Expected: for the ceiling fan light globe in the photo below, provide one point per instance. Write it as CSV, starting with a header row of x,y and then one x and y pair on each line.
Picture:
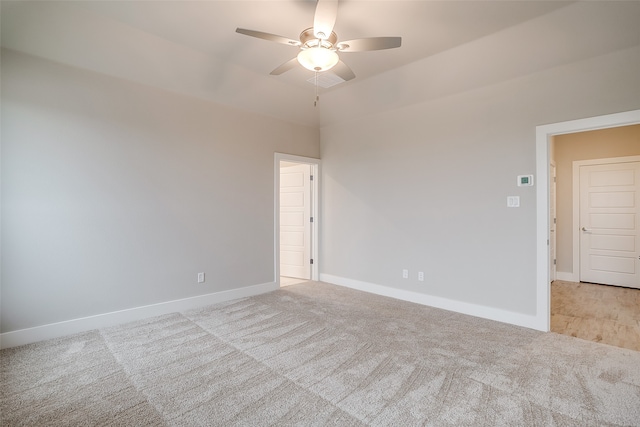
x,y
318,59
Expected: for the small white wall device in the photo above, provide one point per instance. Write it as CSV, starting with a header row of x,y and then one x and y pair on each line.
x,y
513,201
525,180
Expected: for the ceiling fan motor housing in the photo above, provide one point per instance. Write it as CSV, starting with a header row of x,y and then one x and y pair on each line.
x,y
309,39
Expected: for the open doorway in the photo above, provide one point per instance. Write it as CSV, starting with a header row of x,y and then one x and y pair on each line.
x,y
296,219
598,219
597,191
544,137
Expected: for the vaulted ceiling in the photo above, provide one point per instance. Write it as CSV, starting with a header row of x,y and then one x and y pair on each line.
x,y
191,47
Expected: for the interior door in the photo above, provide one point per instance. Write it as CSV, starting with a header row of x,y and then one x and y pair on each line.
x,y
609,223
295,216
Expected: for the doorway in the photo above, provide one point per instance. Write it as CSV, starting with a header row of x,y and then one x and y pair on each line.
x,y
296,219
597,218
544,134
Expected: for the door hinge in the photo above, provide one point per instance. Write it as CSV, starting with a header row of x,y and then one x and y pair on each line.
x,y
554,262
554,220
311,219
311,260
311,177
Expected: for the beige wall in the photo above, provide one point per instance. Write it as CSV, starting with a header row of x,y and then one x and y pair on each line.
x,y
598,144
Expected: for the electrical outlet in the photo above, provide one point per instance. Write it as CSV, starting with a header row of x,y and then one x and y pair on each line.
x,y
421,276
200,277
405,274
513,201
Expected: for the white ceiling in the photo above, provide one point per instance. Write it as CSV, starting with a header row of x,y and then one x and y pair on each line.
x,y
191,47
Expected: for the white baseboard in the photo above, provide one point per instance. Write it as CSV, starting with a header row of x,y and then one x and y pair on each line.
x,y
567,277
513,318
55,330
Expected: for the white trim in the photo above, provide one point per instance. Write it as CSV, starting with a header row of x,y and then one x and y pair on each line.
x,y
55,330
607,161
552,162
315,207
575,219
519,319
543,136
575,224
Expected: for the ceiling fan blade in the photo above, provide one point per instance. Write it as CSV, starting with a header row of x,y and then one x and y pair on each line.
x,y
325,18
285,67
343,71
373,43
268,36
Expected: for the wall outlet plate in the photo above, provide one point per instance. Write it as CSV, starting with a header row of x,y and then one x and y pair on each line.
x,y
513,201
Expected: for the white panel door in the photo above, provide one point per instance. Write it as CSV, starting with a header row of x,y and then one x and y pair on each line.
x,y
295,221
609,224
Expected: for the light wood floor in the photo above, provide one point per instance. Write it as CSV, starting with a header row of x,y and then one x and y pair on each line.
x,y
606,314
288,281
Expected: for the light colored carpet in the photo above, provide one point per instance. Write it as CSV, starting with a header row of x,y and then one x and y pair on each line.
x,y
317,354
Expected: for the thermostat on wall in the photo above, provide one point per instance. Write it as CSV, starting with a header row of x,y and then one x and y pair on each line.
x,y
525,180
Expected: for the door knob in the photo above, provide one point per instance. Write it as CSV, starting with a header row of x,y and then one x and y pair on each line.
x,y
585,229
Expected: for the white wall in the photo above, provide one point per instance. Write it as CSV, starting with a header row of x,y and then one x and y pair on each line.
x,y
424,187
115,195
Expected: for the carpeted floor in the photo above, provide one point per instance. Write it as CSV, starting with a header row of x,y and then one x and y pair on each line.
x,y
317,354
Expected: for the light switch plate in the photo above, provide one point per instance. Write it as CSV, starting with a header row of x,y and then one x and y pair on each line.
x,y
513,201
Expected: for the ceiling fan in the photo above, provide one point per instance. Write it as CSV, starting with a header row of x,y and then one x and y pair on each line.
x,y
319,45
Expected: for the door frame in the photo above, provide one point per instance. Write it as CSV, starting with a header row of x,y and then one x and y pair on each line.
x,y
544,133
575,220
315,211
553,272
